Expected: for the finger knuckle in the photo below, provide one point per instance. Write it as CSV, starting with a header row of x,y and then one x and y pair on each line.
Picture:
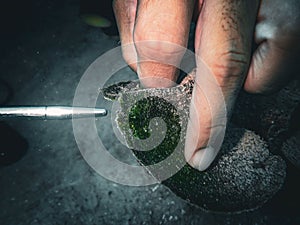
x,y
230,64
154,45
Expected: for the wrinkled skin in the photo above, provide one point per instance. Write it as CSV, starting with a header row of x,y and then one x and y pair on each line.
x,y
225,32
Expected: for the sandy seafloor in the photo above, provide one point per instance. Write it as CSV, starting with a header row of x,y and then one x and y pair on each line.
x,y
45,49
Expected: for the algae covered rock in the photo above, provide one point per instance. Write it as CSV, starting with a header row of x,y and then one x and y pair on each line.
x,y
244,176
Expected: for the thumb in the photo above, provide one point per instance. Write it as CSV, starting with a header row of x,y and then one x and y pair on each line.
x,y
223,41
207,119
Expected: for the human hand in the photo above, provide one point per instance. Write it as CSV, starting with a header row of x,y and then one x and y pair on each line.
x,y
150,25
223,42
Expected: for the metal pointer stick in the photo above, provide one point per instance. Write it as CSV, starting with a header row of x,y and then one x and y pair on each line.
x,y
50,112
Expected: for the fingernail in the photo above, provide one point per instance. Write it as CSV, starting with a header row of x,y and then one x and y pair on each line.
x,y
207,157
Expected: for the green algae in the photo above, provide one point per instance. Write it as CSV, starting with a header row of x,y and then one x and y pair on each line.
x,y
139,118
243,177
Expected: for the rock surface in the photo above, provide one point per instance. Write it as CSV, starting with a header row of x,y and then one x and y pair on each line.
x,y
276,116
291,149
244,176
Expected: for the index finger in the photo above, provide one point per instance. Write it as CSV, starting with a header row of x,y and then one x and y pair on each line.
x,y
161,30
